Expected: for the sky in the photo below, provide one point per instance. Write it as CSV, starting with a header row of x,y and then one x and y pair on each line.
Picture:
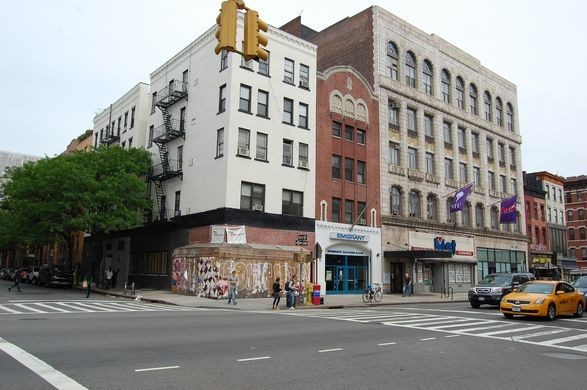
x,y
63,61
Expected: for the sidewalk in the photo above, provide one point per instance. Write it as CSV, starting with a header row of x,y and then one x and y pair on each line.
x,y
330,301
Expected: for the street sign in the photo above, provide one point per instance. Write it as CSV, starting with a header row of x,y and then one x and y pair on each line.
x,y
302,240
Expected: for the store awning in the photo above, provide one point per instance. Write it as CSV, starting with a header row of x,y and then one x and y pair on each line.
x,y
430,254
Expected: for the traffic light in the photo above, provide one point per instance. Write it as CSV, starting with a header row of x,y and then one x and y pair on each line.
x,y
226,20
253,37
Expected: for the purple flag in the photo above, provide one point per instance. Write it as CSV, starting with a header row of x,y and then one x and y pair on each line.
x,y
460,198
508,212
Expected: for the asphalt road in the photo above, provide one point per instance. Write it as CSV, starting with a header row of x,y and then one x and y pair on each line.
x,y
115,344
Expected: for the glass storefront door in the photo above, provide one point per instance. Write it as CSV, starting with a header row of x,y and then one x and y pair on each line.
x,y
346,274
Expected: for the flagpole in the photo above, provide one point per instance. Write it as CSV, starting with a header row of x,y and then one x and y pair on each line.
x,y
361,213
458,189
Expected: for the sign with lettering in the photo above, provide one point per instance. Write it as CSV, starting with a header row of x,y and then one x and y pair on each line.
x,y
349,237
458,246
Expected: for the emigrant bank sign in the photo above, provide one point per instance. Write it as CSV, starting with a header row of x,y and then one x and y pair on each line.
x,y
459,246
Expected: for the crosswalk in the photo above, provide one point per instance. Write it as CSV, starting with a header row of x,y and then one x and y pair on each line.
x,y
84,306
552,336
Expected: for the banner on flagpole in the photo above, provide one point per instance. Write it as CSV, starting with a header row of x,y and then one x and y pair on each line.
x,y
508,212
460,198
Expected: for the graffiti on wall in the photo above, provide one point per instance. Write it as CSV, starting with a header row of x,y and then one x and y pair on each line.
x,y
207,276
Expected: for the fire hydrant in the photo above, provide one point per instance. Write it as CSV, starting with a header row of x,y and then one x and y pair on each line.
x,y
308,289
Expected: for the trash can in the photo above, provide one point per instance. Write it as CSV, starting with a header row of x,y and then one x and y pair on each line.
x,y
316,295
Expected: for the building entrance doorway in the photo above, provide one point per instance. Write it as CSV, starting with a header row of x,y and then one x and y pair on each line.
x,y
346,274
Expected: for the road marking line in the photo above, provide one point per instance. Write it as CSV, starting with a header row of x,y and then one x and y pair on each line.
x,y
76,307
452,335
429,338
538,334
330,350
39,367
384,344
10,310
255,358
564,339
155,368
498,325
23,306
512,330
52,307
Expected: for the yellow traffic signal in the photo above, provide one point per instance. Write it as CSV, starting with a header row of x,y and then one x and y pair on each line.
x,y
226,20
253,37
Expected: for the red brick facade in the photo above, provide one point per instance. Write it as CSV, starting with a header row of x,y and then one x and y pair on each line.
x,y
576,211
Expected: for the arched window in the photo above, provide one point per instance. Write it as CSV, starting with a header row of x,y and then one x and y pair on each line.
x,y
427,77
460,93
393,114
410,69
473,99
479,215
510,117
392,61
487,105
498,111
414,204
466,214
396,201
432,207
445,79
494,213
450,217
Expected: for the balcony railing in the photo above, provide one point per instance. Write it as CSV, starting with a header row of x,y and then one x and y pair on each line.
x,y
168,132
174,92
110,139
166,170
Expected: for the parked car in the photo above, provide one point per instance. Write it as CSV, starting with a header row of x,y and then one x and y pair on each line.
x,y
543,298
55,275
33,275
4,274
494,286
24,274
581,285
11,273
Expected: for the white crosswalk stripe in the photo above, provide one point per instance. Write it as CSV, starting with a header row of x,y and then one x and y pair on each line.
x,y
86,306
551,336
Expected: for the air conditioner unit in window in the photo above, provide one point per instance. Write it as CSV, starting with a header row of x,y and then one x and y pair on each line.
x,y
304,83
243,152
303,164
258,207
362,221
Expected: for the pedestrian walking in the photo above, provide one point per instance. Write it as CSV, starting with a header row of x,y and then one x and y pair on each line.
x,y
115,272
291,293
16,281
87,284
407,286
276,294
109,275
232,282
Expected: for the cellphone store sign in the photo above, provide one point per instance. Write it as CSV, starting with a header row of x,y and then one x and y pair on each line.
x,y
458,246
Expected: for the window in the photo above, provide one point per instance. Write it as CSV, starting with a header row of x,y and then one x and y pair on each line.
x,y
510,117
303,116
288,71
129,142
252,195
287,152
393,114
410,70
396,201
513,186
361,137
222,99
263,104
450,217
491,180
119,124
244,138
560,195
583,253
571,234
182,119
475,143
411,116
304,76
132,117
349,164
501,153
477,176
336,129
361,213
288,111
348,211
512,158
494,214
248,64
336,209
550,214
463,177
414,204
502,183
581,233
176,209
432,207
303,154
428,119
498,111
448,169
572,252
361,172
479,215
184,76
473,99
223,59
392,58
427,77
219,143
489,149
461,139
153,102
487,106
292,203
151,133
445,80
180,157
261,152
460,93
412,158
430,163
336,160
125,120
466,214
349,133
244,104
394,153
447,130
580,214
263,66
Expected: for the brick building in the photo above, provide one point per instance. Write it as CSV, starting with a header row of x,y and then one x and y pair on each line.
x,y
539,253
576,207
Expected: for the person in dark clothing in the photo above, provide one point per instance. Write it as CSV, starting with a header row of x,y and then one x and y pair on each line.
x,y
115,277
16,281
276,294
88,284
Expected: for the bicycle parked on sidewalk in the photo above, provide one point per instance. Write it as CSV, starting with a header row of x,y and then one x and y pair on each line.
x,y
373,294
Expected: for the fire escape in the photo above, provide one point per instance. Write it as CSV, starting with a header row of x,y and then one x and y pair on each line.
x,y
168,131
110,137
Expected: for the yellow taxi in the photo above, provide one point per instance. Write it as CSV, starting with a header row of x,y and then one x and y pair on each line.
x,y
543,298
